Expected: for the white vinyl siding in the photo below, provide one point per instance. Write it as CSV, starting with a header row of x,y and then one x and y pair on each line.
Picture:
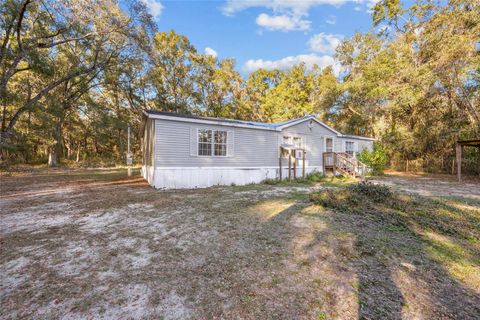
x,y
176,146
358,144
312,140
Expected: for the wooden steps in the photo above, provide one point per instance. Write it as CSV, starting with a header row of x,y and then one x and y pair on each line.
x,y
344,164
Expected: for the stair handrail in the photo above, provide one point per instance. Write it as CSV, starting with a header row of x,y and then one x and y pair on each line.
x,y
354,162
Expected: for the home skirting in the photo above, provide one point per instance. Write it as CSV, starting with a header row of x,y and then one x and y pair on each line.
x,y
202,177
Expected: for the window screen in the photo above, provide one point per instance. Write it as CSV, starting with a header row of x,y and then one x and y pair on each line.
x,y
204,142
349,147
212,143
220,143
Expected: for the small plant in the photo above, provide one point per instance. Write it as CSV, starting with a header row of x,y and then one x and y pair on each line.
x,y
271,181
376,159
315,176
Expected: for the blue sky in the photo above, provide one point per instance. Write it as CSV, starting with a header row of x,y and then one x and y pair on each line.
x,y
265,33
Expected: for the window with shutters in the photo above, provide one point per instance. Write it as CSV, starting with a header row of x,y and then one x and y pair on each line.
x,y
212,143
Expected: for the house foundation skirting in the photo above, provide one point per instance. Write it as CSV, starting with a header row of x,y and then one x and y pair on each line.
x,y
202,177
148,174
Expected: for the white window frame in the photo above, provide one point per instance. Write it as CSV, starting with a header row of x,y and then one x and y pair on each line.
x,y
301,141
325,143
353,144
224,144
292,137
212,153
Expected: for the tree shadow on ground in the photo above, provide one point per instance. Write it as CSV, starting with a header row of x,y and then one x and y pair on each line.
x,y
394,259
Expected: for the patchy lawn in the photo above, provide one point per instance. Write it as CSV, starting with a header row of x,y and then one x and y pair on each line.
x,y
96,244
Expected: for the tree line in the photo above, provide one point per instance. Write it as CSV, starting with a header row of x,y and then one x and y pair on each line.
x,y
75,73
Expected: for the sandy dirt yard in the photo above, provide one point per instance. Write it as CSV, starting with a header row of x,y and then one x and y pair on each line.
x,y
432,185
95,244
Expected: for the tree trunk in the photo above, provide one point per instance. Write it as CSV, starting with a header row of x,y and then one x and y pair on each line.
x,y
55,147
78,154
53,156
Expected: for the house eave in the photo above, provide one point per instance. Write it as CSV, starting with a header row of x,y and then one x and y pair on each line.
x,y
308,119
346,136
204,121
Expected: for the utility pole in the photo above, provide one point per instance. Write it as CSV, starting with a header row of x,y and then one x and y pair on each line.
x,y
128,141
129,153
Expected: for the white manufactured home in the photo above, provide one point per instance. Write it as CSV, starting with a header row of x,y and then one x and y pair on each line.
x,y
183,151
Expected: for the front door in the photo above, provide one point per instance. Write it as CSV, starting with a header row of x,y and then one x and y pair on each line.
x,y
329,145
329,150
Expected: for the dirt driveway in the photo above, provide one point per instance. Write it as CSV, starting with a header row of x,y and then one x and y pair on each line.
x,y
431,185
98,245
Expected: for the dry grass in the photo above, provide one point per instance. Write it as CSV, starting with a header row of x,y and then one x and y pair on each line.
x,y
95,244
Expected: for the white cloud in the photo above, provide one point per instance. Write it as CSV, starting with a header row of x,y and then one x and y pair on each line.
x,y
282,22
210,52
324,43
154,7
295,6
331,19
288,62
369,3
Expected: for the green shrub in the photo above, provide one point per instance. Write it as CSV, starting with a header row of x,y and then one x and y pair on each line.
x,y
376,159
375,192
271,181
315,176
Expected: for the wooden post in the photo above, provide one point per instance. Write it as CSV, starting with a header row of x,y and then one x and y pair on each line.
x,y
334,158
280,164
295,164
303,164
459,151
324,169
289,165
